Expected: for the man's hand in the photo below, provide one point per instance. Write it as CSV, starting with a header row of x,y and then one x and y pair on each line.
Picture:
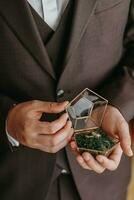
x,y
24,125
115,125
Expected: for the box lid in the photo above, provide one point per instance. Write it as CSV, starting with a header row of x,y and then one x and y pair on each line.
x,y
86,110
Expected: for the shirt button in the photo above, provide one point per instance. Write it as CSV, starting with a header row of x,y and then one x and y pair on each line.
x,y
60,93
63,171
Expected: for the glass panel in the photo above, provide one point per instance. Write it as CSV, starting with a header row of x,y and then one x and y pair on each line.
x,y
87,110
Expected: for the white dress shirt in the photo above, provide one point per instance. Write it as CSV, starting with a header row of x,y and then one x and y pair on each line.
x,y
51,11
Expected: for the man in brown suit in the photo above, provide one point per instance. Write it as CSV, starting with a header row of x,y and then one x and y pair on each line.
x,y
93,47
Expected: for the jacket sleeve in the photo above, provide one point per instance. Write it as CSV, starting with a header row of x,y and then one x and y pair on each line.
x,y
119,87
6,103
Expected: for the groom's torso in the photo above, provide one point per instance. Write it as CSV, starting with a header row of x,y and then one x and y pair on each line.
x,y
36,63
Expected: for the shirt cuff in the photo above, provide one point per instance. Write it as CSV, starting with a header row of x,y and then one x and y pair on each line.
x,y
13,141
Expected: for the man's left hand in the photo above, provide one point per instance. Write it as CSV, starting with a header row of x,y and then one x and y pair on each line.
x,y
116,126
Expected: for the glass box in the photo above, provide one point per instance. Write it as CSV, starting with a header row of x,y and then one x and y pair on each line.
x,y
86,112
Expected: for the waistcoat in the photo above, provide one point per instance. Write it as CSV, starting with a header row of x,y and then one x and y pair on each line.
x,y
56,43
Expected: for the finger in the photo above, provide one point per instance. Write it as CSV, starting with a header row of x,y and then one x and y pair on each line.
x,y
55,140
56,148
125,139
74,148
113,161
49,107
52,127
92,163
82,162
63,134
62,144
73,145
52,149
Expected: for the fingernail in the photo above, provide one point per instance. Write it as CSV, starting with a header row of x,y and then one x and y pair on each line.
x,y
72,145
86,157
80,159
66,102
130,152
100,159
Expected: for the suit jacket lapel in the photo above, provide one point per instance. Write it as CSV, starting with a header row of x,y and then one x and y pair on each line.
x,y
83,10
18,16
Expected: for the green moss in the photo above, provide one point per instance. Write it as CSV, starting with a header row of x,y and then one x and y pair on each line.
x,y
96,140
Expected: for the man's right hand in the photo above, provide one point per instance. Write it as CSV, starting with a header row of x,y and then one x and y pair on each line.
x,y
24,125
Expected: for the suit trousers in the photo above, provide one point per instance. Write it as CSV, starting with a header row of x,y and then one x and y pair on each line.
x,y
63,188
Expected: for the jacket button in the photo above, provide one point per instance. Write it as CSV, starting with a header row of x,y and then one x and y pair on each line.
x,y
60,93
63,171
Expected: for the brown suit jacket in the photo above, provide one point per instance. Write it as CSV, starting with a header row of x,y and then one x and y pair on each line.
x,y
95,59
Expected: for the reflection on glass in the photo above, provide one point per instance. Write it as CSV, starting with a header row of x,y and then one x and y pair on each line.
x,y
87,110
